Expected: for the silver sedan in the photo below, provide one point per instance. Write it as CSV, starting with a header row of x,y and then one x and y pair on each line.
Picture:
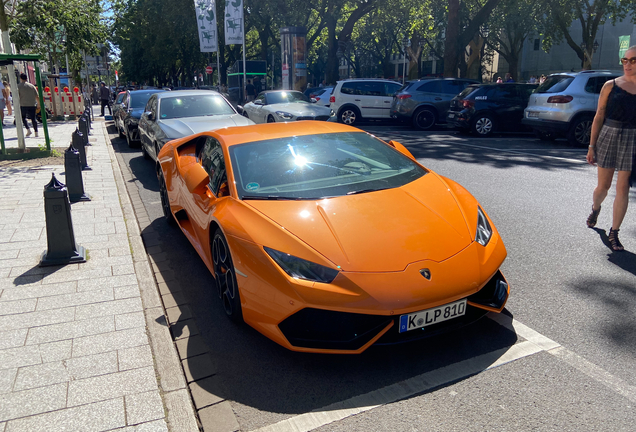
x,y
175,114
285,105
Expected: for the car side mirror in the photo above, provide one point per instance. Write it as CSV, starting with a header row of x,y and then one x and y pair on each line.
x,y
149,116
196,179
399,147
240,109
224,190
258,102
313,100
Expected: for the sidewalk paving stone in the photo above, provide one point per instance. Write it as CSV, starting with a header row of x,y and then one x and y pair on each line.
x,y
75,352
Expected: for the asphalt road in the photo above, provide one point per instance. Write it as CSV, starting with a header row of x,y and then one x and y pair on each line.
x,y
562,358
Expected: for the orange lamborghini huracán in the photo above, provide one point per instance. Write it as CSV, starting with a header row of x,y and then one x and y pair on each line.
x,y
327,239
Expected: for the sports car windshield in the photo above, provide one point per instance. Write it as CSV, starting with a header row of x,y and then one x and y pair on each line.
x,y
193,106
286,97
319,166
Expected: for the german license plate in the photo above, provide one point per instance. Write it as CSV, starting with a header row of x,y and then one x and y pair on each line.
x,y
451,115
533,114
432,316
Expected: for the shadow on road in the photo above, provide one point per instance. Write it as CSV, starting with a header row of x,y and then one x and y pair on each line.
x,y
138,165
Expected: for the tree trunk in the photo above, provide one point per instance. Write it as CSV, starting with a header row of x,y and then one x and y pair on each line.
x,y
452,35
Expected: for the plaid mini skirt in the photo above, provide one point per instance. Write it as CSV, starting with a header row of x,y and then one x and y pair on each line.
x,y
616,146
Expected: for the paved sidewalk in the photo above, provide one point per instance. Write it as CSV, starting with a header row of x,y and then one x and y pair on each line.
x,y
82,346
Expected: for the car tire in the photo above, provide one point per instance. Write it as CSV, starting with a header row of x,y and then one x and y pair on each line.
x,y
483,125
271,119
144,152
424,119
579,133
545,136
349,115
131,143
225,278
165,200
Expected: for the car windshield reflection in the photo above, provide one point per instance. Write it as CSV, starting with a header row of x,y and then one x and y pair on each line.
x,y
319,166
193,106
286,97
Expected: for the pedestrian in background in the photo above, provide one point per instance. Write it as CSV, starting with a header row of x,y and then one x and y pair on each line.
x,y
499,80
249,91
6,89
104,98
509,78
28,101
613,144
542,79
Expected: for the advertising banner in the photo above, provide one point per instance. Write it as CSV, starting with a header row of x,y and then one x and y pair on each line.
x,y
233,22
623,44
206,23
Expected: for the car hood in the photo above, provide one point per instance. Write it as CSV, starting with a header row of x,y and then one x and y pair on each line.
x,y
180,127
380,231
301,109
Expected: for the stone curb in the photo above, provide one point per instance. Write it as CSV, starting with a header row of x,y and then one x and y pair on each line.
x,y
180,412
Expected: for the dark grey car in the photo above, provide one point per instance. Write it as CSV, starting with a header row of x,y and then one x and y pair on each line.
x,y
175,114
127,117
425,102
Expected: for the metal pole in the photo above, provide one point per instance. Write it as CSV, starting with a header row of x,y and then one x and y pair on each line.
x,y
244,65
6,43
218,67
42,106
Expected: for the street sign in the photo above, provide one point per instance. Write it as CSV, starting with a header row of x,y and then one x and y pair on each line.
x,y
209,70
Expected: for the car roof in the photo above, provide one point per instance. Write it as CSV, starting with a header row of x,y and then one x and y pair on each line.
x,y
176,93
279,91
136,92
265,131
586,72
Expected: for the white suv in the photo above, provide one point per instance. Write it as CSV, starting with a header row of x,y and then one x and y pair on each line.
x,y
355,99
565,105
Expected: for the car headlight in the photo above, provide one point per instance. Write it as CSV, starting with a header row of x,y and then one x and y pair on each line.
x,y
284,115
484,231
301,269
331,113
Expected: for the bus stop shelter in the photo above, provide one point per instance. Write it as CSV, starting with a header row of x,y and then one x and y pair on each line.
x,y
8,59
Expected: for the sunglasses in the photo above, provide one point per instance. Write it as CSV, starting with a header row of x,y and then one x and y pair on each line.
x,y
631,60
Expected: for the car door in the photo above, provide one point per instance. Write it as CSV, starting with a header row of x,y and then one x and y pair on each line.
x,y
119,115
368,96
506,105
430,93
389,90
117,104
146,133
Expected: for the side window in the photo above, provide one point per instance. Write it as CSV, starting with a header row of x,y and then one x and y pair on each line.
x,y
505,93
214,163
390,89
149,104
370,88
431,87
349,88
525,91
452,87
595,84
120,98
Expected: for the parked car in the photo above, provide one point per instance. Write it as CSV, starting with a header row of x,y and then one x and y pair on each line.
x,y
127,118
175,114
284,105
486,108
356,99
425,102
286,217
117,104
322,96
565,105
309,90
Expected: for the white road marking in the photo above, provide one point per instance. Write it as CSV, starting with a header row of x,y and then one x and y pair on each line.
x,y
534,343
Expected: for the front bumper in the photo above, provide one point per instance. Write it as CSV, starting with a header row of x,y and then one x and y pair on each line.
x,y
318,329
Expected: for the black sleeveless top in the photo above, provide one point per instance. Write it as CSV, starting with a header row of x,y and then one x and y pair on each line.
x,y
621,106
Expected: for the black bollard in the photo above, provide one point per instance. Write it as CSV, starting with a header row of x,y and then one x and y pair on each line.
x,y
88,116
60,239
73,173
78,143
83,128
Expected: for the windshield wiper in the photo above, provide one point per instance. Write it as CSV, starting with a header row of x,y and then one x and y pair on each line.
x,y
281,198
365,191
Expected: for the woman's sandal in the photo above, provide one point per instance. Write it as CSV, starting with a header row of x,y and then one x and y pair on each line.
x,y
591,219
615,243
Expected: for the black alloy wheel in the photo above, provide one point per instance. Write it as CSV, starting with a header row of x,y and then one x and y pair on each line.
x,y
165,201
225,277
349,116
424,119
579,133
271,119
483,125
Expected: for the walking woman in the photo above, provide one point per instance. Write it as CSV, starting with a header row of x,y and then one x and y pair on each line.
x,y
613,144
